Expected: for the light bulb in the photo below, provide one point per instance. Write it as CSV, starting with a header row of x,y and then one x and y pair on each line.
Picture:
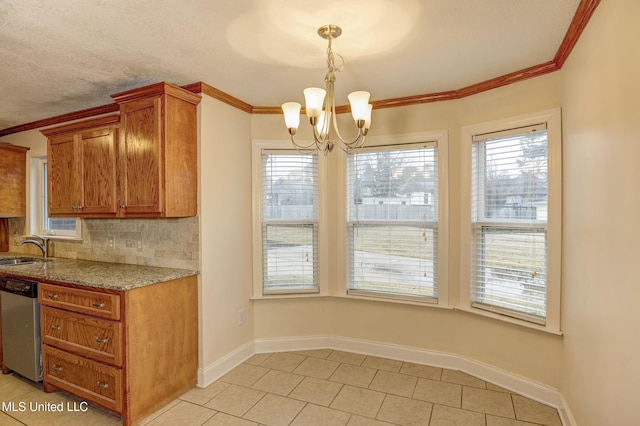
x,y
359,104
314,98
291,114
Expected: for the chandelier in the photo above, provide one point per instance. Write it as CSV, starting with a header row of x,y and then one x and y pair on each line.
x,y
320,107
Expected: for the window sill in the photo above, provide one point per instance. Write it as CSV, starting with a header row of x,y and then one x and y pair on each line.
x,y
352,297
290,296
508,319
402,301
55,237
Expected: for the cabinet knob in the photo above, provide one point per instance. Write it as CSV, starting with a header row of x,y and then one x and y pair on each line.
x,y
52,296
98,305
102,385
56,327
122,206
56,368
99,340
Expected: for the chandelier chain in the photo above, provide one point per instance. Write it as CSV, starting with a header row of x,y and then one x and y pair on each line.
x,y
330,62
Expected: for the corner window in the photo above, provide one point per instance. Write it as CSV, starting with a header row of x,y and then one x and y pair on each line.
x,y
289,221
393,222
513,251
40,222
509,226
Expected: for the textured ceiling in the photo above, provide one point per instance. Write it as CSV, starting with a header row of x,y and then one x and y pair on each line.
x,y
60,56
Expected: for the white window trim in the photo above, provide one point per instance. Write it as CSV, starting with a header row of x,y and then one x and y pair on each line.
x,y
323,251
441,138
554,237
34,217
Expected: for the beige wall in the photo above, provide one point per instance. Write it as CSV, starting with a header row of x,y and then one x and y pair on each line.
x,y
225,226
528,353
601,98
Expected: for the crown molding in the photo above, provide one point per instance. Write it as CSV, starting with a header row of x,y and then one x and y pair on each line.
x,y
583,14
59,119
211,91
578,23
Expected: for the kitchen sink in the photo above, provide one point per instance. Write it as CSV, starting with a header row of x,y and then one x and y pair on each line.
x,y
13,261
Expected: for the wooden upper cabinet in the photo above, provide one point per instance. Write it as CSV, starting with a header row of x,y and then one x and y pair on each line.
x,y
13,169
62,175
140,155
81,168
98,160
158,163
140,163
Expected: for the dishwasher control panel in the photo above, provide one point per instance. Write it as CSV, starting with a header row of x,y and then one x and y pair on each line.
x,y
21,287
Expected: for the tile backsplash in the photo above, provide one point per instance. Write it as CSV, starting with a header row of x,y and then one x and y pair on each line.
x,y
172,243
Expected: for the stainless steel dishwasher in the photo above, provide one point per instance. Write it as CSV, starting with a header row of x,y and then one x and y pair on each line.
x,y
21,344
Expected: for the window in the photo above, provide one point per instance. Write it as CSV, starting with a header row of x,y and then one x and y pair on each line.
x,y
40,222
393,221
289,219
513,202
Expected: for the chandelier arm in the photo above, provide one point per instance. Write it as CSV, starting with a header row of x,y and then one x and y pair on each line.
x,y
319,136
300,146
331,104
356,142
322,141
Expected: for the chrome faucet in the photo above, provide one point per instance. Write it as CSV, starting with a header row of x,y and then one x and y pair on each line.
x,y
41,245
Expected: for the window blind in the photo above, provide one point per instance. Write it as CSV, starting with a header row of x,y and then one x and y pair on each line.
x,y
509,222
392,221
289,208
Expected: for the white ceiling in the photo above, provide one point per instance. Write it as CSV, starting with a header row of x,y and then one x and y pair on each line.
x,y
60,56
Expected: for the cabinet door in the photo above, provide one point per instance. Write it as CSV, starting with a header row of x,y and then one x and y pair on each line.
x,y
140,155
62,175
90,380
12,175
95,338
98,155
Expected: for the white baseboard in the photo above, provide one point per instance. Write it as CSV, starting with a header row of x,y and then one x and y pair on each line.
x,y
510,381
565,413
284,344
219,368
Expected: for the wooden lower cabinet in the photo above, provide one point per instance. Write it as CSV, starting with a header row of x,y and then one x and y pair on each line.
x,y
90,380
137,353
91,337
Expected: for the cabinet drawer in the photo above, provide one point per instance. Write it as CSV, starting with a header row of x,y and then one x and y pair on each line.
x,y
95,338
104,305
87,379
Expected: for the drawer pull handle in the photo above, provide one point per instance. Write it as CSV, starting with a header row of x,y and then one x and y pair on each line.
x,y
99,340
102,385
56,327
57,368
98,305
52,296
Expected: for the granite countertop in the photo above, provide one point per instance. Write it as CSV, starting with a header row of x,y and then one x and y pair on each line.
x,y
115,276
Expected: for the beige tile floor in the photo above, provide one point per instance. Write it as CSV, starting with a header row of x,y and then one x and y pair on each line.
x,y
308,388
